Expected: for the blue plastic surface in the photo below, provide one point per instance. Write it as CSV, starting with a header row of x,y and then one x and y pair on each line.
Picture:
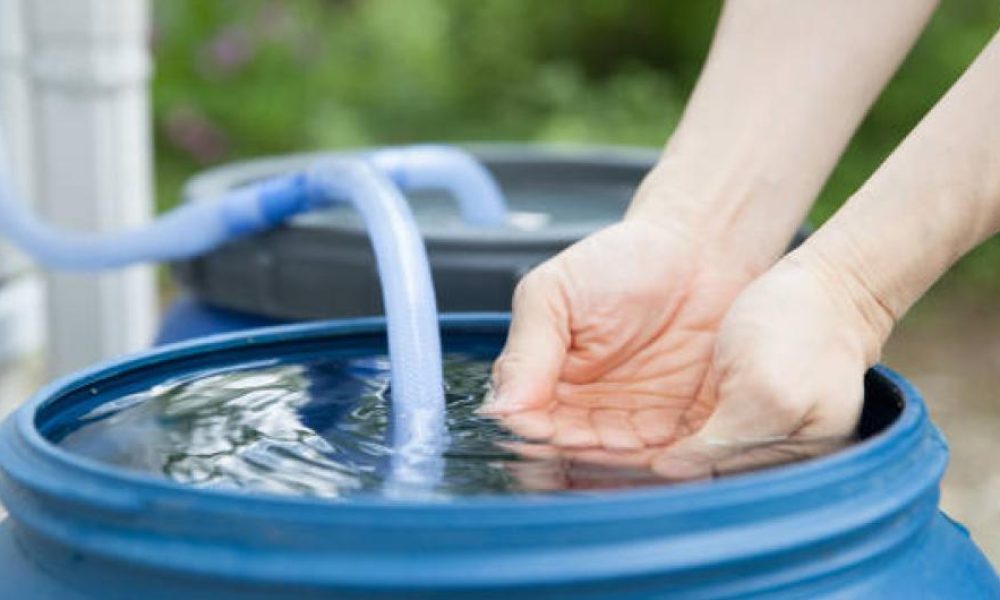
x,y
863,523
187,318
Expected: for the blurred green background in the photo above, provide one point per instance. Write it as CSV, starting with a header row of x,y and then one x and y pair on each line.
x,y
242,78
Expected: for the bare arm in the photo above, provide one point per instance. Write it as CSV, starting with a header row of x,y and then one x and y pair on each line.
x,y
933,200
612,341
785,85
794,346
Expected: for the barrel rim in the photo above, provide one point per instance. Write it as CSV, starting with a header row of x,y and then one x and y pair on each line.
x,y
910,420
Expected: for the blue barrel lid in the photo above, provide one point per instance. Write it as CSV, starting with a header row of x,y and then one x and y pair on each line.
x,y
785,526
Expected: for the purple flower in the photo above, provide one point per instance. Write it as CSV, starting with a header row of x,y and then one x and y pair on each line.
x,y
226,53
190,130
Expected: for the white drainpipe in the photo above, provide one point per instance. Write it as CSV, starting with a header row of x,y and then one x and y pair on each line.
x,y
89,68
21,322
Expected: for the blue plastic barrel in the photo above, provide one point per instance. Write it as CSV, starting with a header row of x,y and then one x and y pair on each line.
x,y
187,318
863,523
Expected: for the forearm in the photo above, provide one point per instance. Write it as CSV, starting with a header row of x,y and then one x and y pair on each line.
x,y
785,85
935,198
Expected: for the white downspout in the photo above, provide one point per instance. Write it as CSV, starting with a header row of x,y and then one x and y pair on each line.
x,y
21,322
90,66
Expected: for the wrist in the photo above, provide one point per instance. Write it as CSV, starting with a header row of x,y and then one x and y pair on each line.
x,y
740,216
866,313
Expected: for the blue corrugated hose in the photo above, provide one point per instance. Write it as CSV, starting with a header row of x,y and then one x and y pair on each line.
x,y
370,182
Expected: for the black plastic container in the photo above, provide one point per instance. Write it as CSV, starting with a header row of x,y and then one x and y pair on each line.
x,y
321,266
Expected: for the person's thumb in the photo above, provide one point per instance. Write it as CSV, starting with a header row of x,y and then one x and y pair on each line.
x,y
526,373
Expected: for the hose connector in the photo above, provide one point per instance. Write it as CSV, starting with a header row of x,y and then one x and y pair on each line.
x,y
265,205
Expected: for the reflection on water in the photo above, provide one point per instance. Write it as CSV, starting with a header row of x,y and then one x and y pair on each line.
x,y
315,428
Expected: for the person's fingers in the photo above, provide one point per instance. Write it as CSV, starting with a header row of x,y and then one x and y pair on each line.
x,y
756,411
597,394
584,475
548,468
701,458
615,430
780,452
538,476
655,426
574,428
637,459
613,459
689,458
525,374
752,431
774,406
532,425
532,450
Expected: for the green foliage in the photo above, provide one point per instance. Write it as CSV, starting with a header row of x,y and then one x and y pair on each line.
x,y
239,78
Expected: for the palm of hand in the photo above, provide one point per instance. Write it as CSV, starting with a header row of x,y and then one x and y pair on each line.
x,y
642,308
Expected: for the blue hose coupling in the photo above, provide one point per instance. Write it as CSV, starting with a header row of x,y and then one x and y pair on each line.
x,y
266,204
263,205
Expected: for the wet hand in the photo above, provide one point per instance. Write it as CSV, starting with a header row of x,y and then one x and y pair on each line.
x,y
665,382
787,375
611,341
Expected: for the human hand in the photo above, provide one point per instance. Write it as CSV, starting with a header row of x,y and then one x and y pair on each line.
x,y
611,340
793,349
781,380
787,377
